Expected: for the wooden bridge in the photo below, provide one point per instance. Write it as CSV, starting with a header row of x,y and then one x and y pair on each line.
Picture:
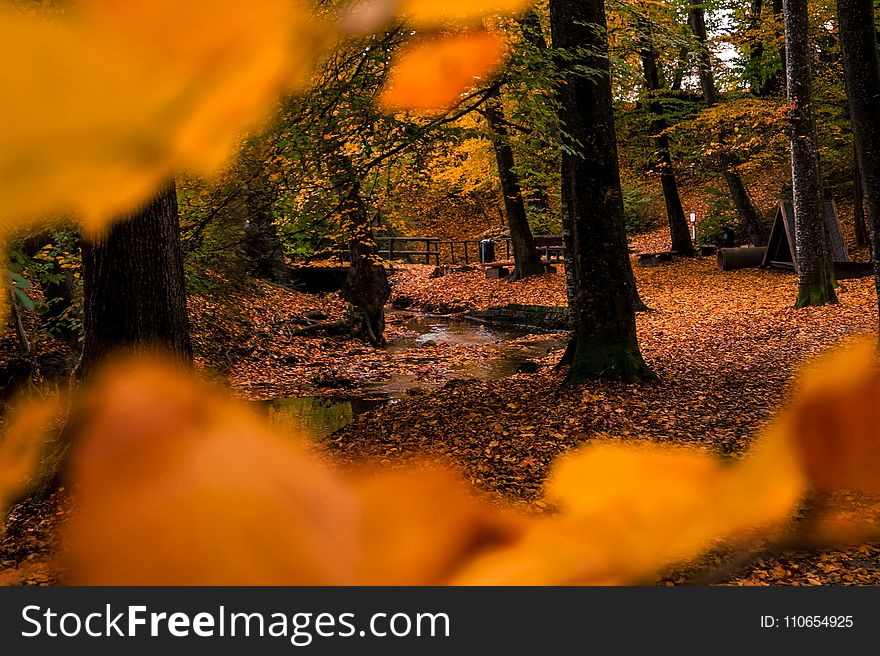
x,y
433,250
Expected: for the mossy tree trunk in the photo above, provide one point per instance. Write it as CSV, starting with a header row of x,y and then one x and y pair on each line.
x,y
815,270
601,285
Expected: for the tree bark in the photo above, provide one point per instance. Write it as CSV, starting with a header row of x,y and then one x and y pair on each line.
x,y
858,41
134,293
815,272
262,245
863,237
601,285
366,287
526,260
750,219
678,226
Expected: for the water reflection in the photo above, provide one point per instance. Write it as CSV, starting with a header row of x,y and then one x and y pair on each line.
x,y
316,417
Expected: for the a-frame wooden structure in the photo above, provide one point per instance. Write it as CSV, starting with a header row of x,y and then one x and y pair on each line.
x,y
782,249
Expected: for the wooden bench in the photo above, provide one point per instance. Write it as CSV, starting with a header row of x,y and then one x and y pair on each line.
x,y
655,259
497,269
551,247
503,269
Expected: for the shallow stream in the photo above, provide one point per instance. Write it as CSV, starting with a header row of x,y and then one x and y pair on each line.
x,y
316,417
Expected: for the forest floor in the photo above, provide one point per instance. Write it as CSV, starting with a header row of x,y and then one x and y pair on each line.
x,y
726,348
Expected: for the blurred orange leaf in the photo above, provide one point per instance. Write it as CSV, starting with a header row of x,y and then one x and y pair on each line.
x,y
432,75
438,11
106,105
21,446
420,525
625,512
178,486
834,421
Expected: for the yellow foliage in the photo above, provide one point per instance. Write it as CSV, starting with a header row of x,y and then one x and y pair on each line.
x,y
433,74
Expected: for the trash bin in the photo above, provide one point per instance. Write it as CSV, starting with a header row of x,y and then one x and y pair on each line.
x,y
487,251
729,238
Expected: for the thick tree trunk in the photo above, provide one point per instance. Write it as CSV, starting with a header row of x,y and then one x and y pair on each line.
x,y
749,217
601,281
815,271
678,226
366,287
526,260
262,245
858,40
134,299
134,288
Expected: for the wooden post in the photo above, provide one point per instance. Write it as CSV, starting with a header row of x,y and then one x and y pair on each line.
x,y
464,243
391,249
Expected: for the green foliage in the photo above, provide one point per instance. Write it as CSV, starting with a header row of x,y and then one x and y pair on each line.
x,y
638,209
48,267
721,213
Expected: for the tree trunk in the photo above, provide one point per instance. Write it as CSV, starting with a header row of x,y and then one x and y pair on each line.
x,y
601,285
536,197
134,293
366,287
858,41
763,83
815,272
749,217
678,226
526,260
859,218
756,50
262,245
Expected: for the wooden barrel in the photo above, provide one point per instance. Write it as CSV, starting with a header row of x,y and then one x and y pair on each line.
x,y
731,259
